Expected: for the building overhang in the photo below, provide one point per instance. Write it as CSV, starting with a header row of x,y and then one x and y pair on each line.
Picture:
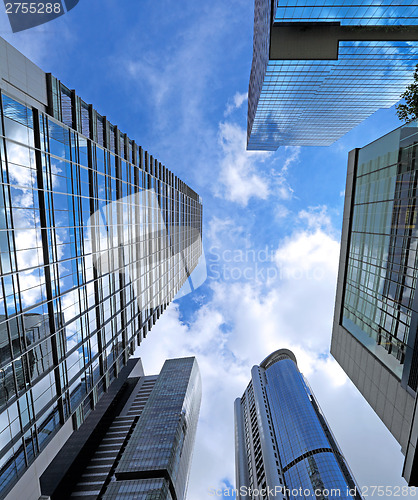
x,y
320,40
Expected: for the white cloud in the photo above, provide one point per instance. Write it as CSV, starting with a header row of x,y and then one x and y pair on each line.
x,y
218,228
280,187
242,323
236,102
238,178
205,339
246,175
235,330
304,251
281,212
292,156
316,217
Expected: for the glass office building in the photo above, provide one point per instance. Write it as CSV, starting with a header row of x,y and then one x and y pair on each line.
x,y
376,313
162,443
282,439
96,238
319,70
144,449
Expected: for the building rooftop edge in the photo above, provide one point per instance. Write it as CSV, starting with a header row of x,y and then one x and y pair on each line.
x,y
276,356
403,125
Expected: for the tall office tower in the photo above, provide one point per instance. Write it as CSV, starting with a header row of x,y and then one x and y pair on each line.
x,y
283,443
376,312
96,238
318,70
141,448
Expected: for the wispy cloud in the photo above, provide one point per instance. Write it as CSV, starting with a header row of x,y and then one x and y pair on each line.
x,y
218,228
288,157
292,156
236,102
239,180
316,218
281,212
177,81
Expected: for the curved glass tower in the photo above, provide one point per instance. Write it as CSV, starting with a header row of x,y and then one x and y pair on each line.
x,y
283,442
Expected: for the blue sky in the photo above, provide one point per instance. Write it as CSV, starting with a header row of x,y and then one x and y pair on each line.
x,y
174,77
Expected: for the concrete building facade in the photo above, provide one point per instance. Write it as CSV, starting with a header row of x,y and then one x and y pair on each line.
x,y
375,320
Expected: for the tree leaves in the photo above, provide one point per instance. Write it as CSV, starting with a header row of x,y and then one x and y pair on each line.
x,y
409,110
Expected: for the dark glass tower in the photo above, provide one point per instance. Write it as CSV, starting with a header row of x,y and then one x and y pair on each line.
x,y
143,446
162,442
320,69
96,238
374,334
283,442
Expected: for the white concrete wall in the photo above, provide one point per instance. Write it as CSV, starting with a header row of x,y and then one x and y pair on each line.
x,y
20,77
28,487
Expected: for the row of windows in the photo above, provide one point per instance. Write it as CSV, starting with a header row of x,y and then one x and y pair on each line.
x,y
311,103
382,269
298,431
76,291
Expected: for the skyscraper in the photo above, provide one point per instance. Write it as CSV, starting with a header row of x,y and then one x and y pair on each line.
x,y
143,448
282,440
376,311
318,70
96,238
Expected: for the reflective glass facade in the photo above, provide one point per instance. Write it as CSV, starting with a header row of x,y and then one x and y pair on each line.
x,y
162,442
309,460
347,11
374,336
144,489
145,446
382,265
314,101
96,238
283,439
